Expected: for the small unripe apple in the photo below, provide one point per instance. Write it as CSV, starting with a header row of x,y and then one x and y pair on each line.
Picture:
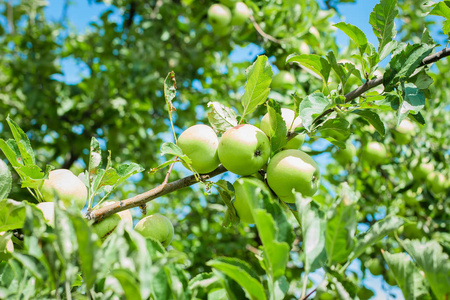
x,y
243,196
375,267
157,227
290,170
404,132
48,210
295,140
200,143
106,226
240,13
244,149
66,186
219,15
283,80
345,156
437,182
422,170
375,153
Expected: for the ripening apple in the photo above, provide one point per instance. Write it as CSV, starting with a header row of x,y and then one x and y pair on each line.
x,y
404,132
48,210
62,183
244,188
374,153
156,227
437,182
422,170
290,170
244,149
200,143
295,140
283,80
240,13
345,156
219,16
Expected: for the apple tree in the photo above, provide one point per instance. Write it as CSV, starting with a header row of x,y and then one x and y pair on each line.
x,y
176,168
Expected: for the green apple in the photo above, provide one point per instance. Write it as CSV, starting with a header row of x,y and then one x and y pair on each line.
x,y
374,153
345,156
283,80
291,170
244,149
200,143
221,31
156,227
404,132
437,182
295,140
48,210
244,189
62,183
219,15
240,13
106,226
422,170
374,266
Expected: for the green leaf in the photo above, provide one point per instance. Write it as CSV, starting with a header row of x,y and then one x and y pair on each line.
x,y
404,63
373,118
33,265
413,101
345,287
221,117
32,176
242,273
171,149
129,284
278,128
313,226
407,275
421,80
378,230
22,142
170,90
88,248
226,192
434,262
338,68
5,180
311,107
341,227
313,62
12,214
382,21
11,152
163,165
259,77
335,130
356,34
443,9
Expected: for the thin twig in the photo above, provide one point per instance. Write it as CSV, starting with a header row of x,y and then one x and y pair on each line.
x,y
307,296
262,33
166,180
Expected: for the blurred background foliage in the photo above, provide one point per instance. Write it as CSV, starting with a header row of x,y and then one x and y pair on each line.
x,y
120,102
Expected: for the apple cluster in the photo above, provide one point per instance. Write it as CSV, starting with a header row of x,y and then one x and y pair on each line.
x,y
62,184
223,16
245,150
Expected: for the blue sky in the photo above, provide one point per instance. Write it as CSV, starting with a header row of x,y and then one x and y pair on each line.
x,y
81,13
